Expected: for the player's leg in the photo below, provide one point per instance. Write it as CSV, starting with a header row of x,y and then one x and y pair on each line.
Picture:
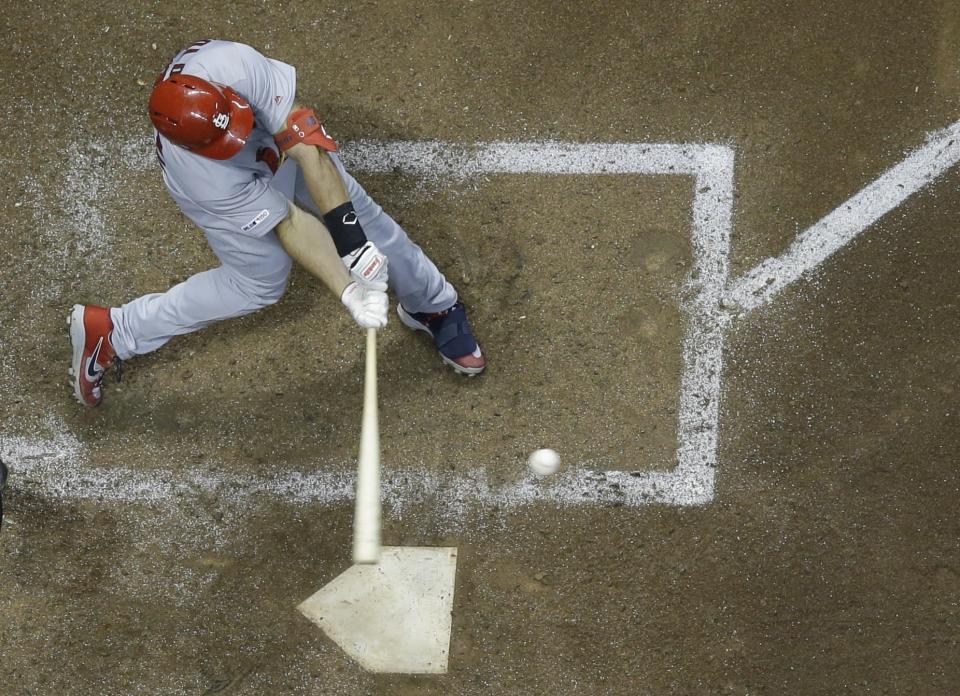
x,y
414,278
146,323
250,279
253,275
427,301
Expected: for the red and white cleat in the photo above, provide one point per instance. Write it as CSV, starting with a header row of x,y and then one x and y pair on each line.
x,y
93,355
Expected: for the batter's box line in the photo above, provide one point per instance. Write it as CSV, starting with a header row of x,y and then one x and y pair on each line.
x,y
691,482
57,466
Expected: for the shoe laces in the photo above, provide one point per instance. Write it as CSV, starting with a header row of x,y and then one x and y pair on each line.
x,y
429,318
117,365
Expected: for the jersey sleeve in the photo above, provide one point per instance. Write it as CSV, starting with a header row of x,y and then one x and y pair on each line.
x,y
252,210
269,85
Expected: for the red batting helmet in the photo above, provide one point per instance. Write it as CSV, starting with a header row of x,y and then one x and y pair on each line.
x,y
204,117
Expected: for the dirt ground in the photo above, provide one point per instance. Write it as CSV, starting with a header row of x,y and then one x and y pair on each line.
x,y
828,561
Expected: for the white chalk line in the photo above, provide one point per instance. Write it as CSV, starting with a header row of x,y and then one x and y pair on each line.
x,y
435,158
61,473
712,166
53,467
692,482
817,243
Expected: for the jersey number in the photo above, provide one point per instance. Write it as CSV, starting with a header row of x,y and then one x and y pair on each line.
x,y
176,68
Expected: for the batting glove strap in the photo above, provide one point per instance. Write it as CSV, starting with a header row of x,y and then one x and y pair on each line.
x,y
368,266
303,126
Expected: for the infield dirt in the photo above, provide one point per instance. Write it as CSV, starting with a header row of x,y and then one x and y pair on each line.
x,y
828,562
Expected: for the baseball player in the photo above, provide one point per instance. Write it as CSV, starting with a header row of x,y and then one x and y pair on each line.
x,y
258,173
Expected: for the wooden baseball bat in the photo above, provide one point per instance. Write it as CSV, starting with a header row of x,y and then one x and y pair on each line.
x,y
366,517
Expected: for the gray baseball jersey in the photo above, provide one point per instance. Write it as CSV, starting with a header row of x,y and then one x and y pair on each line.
x,y
239,195
237,203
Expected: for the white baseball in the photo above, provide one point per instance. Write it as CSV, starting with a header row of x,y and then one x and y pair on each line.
x,y
543,462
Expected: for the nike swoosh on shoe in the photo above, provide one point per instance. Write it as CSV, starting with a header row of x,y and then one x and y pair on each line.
x,y
92,371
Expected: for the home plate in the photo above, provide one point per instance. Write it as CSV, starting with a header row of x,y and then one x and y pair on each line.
x,y
394,616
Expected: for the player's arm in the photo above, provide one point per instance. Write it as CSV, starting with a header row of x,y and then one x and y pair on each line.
x,y
305,140
310,245
324,182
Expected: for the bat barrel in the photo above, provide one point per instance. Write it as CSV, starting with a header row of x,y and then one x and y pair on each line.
x,y
366,519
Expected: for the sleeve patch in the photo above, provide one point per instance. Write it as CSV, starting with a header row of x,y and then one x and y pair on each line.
x,y
261,216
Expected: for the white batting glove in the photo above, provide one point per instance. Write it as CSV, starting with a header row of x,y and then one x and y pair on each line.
x,y
368,306
367,266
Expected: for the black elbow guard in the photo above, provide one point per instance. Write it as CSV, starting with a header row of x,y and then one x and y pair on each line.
x,y
345,228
